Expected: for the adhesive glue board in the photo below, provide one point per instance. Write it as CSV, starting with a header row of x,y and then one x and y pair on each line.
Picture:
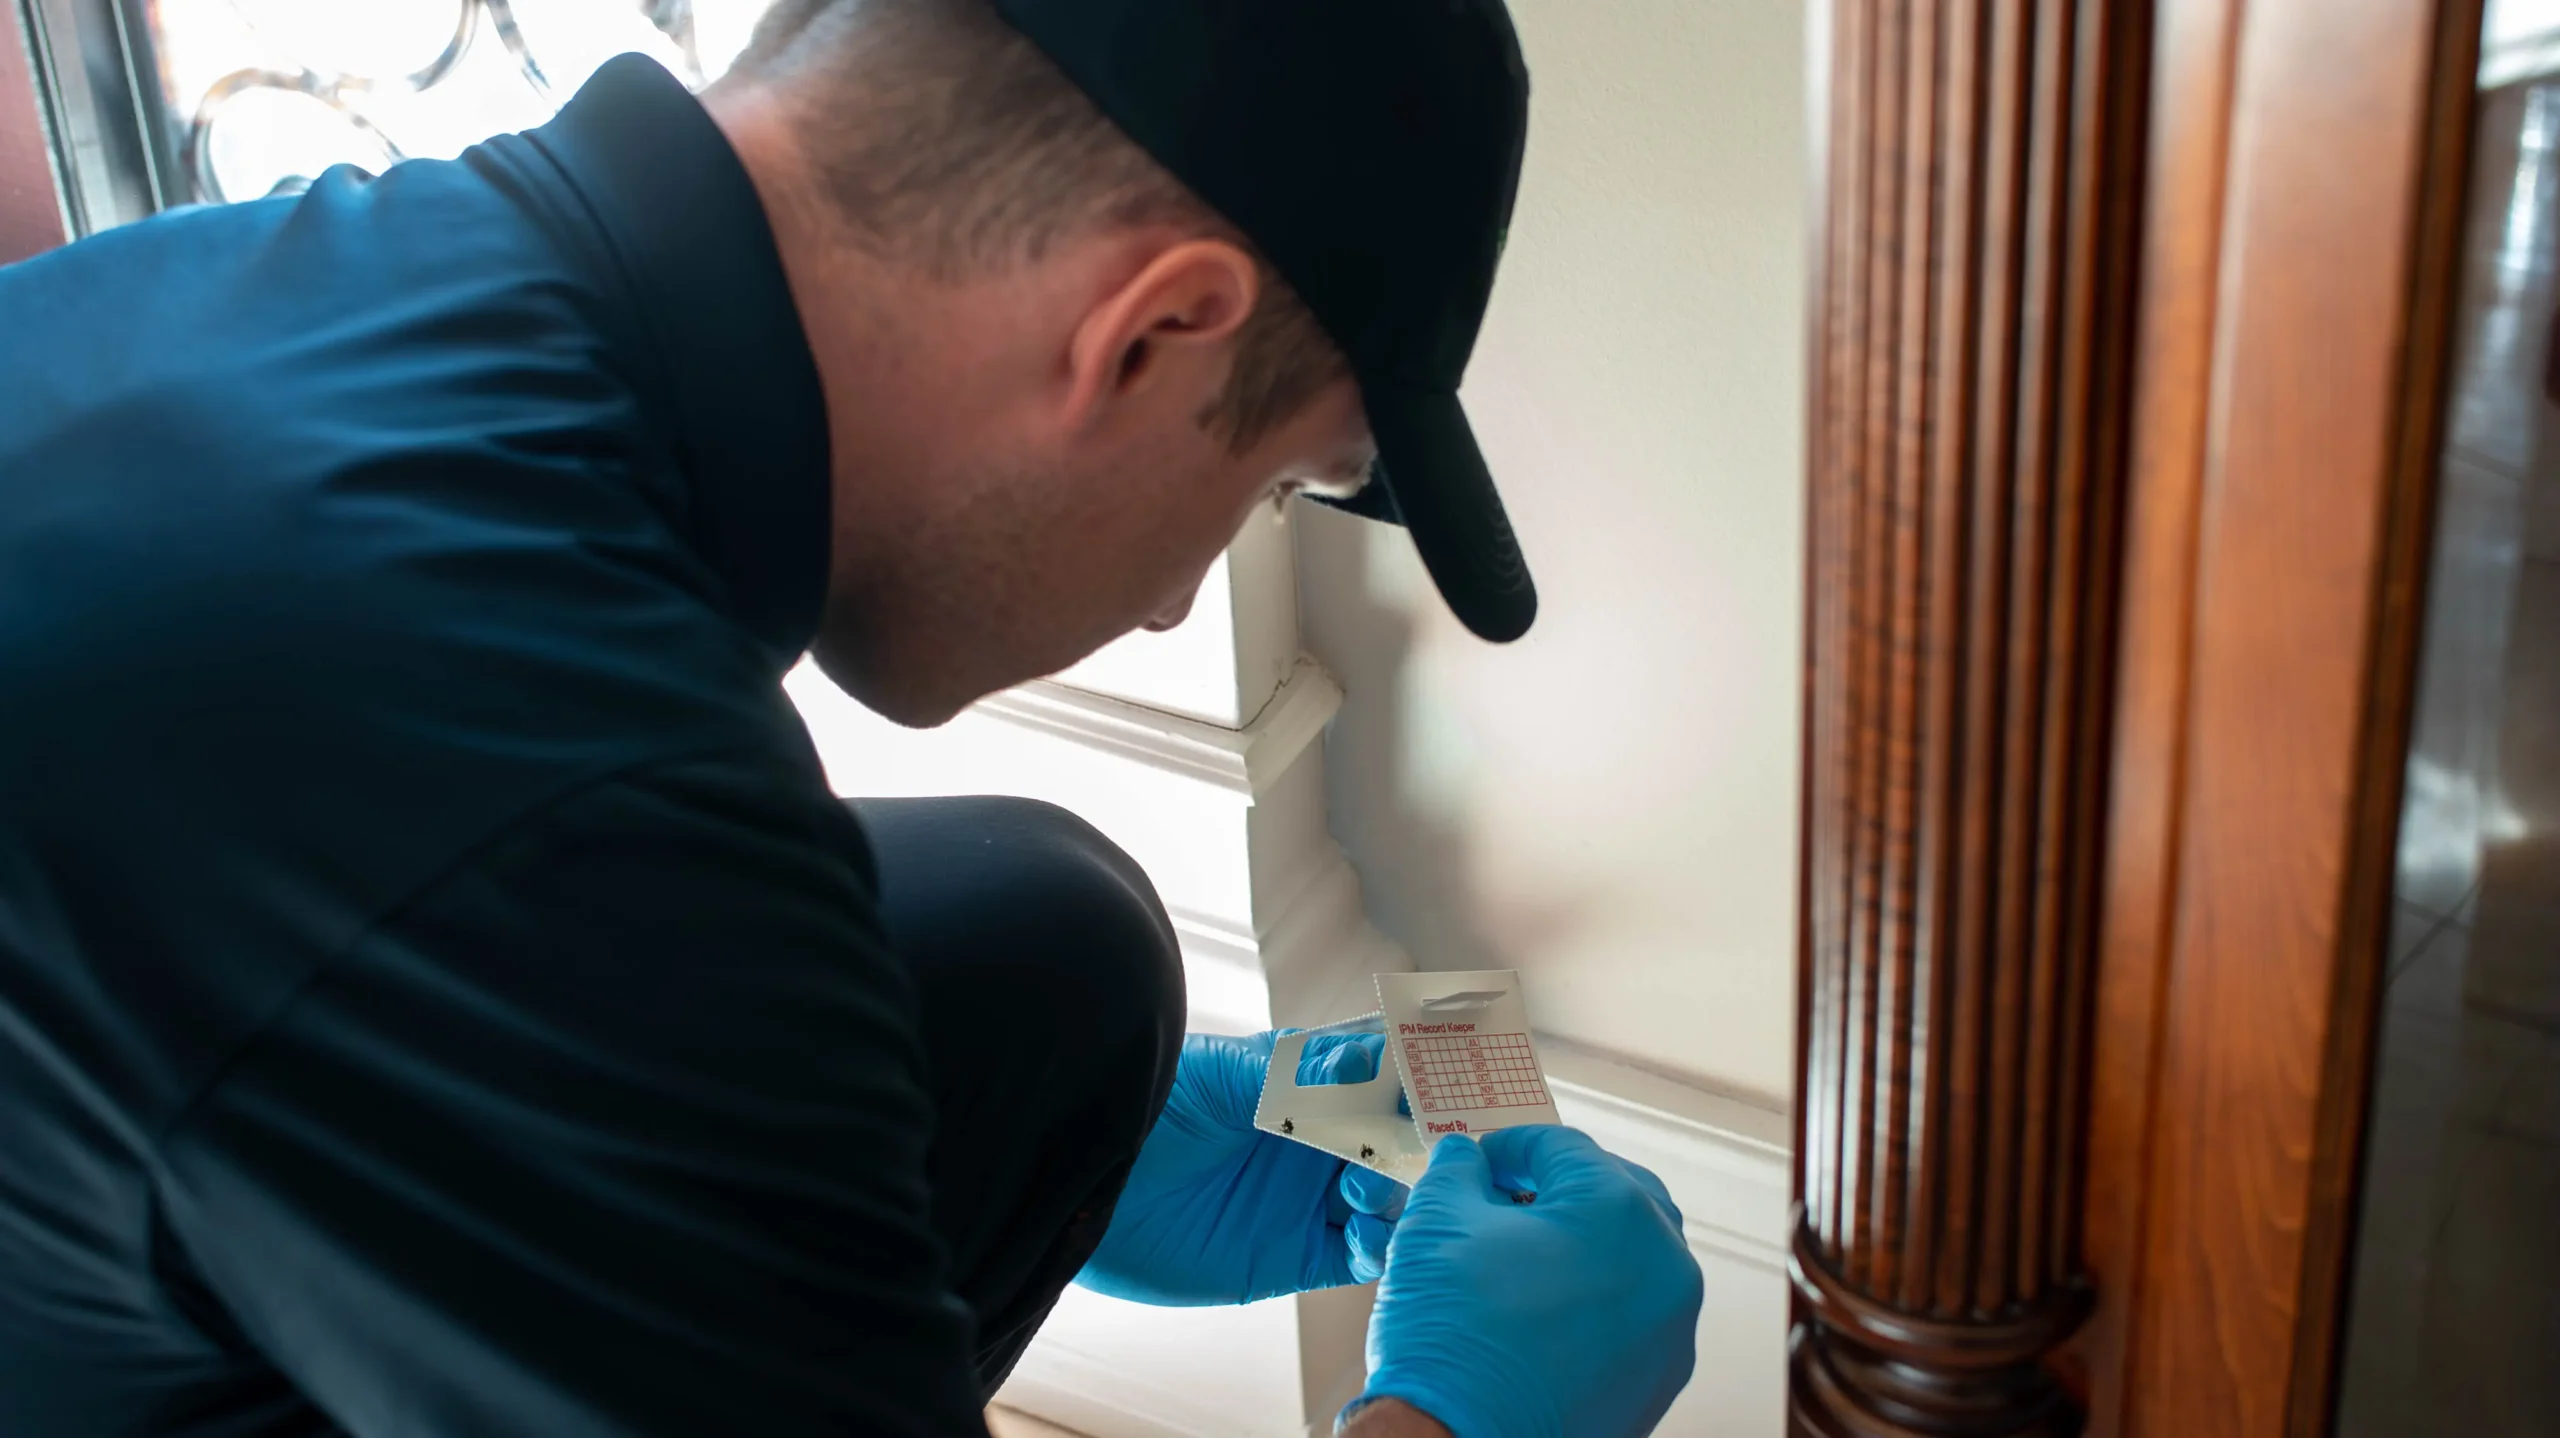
x,y
1462,1062
1361,1122
1461,1042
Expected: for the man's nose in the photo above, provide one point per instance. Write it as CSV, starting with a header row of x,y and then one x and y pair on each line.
x,y
1172,615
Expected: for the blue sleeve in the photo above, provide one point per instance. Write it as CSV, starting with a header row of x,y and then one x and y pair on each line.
x,y
619,1128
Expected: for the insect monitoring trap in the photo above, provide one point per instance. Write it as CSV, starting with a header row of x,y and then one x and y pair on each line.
x,y
1462,1051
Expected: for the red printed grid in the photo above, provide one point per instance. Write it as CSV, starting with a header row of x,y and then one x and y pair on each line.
x,y
1473,1071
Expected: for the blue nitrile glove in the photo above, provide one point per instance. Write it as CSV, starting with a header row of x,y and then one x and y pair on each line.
x,y
1575,1313
1216,1211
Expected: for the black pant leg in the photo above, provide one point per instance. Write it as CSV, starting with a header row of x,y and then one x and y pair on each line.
x,y
1050,989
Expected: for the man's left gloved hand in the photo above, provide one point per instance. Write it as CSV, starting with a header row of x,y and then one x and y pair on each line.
x,y
1217,1211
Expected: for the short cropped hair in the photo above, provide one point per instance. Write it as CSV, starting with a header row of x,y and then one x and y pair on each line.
x,y
948,141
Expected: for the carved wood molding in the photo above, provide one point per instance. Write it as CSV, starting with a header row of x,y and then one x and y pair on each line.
x,y
1972,377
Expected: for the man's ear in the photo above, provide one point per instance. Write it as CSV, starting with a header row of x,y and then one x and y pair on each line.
x,y
1168,332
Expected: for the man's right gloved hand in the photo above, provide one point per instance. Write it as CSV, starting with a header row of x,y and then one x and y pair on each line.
x,y
1576,1313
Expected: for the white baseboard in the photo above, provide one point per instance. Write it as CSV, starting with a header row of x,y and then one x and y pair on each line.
x,y
1100,1399
1315,961
1725,1161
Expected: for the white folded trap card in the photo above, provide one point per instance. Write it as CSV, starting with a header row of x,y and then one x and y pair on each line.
x,y
1463,1060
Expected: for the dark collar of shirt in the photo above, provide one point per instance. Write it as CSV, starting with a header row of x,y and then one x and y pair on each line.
x,y
698,259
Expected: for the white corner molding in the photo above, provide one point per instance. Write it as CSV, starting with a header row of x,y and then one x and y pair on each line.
x,y
1229,823
1231,655
1244,762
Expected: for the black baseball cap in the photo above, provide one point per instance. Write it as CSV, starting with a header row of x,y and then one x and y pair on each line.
x,y
1371,150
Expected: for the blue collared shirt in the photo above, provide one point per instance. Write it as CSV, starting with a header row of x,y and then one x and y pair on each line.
x,y
438,993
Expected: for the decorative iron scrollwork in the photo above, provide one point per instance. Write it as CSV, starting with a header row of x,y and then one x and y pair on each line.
x,y
348,94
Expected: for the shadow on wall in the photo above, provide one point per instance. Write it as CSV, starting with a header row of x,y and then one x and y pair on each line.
x,y
1610,804
1386,761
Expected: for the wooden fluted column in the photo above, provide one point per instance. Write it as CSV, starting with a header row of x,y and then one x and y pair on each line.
x,y
1972,370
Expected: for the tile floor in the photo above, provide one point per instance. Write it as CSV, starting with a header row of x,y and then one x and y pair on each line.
x,y
2455,1328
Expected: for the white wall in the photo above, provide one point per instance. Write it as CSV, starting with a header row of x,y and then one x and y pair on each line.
x,y
2519,40
2507,21
1610,805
